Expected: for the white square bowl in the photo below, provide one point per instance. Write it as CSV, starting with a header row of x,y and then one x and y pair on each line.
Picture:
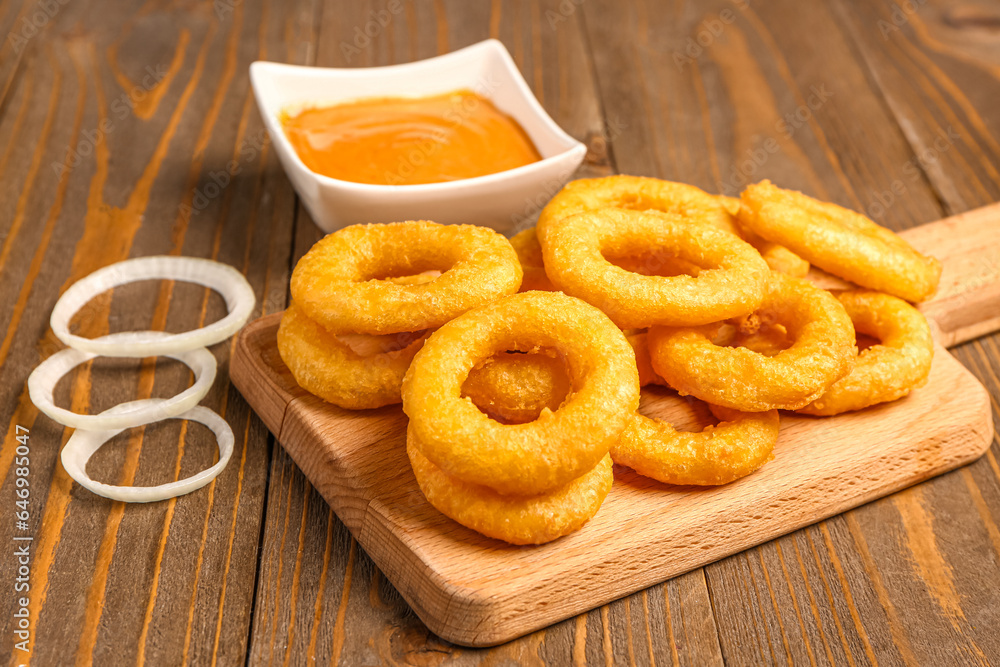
x,y
504,200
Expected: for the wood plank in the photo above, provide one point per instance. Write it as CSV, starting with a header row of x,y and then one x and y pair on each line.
x,y
16,23
936,66
706,117
890,144
935,63
961,308
169,582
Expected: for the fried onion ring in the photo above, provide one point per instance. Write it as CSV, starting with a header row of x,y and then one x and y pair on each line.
x,y
839,241
542,455
644,194
640,345
637,193
770,341
778,257
341,283
342,372
741,443
900,362
529,253
655,263
767,338
823,351
731,283
515,387
514,519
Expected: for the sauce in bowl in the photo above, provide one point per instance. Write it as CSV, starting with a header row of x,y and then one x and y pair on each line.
x,y
409,141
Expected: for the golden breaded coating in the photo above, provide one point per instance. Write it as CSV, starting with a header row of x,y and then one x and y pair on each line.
x,y
741,443
778,257
516,386
839,241
529,253
823,351
515,519
341,373
731,283
542,455
342,282
899,363
637,193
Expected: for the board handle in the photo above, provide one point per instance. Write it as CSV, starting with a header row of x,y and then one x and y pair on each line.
x,y
967,303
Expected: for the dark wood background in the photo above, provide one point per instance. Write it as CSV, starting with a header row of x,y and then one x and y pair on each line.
x,y
117,122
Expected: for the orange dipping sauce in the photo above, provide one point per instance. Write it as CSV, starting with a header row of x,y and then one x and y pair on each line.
x,y
408,141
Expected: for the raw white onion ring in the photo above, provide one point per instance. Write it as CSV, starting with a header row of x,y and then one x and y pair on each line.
x,y
43,380
222,278
84,443
189,348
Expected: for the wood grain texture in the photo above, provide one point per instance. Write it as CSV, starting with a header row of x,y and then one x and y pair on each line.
x,y
968,245
15,23
856,589
460,583
935,63
706,122
966,304
88,181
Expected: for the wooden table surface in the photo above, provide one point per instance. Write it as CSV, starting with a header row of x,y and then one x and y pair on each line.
x,y
127,128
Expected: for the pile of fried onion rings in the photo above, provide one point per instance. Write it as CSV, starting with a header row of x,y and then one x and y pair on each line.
x,y
365,297
520,363
546,465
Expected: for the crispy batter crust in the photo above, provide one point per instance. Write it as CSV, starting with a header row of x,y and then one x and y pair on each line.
x,y
823,351
638,193
731,283
529,253
885,372
341,283
515,519
328,367
840,241
542,455
741,443
778,257
515,387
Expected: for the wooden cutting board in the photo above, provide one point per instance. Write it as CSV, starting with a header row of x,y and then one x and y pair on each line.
x,y
476,591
